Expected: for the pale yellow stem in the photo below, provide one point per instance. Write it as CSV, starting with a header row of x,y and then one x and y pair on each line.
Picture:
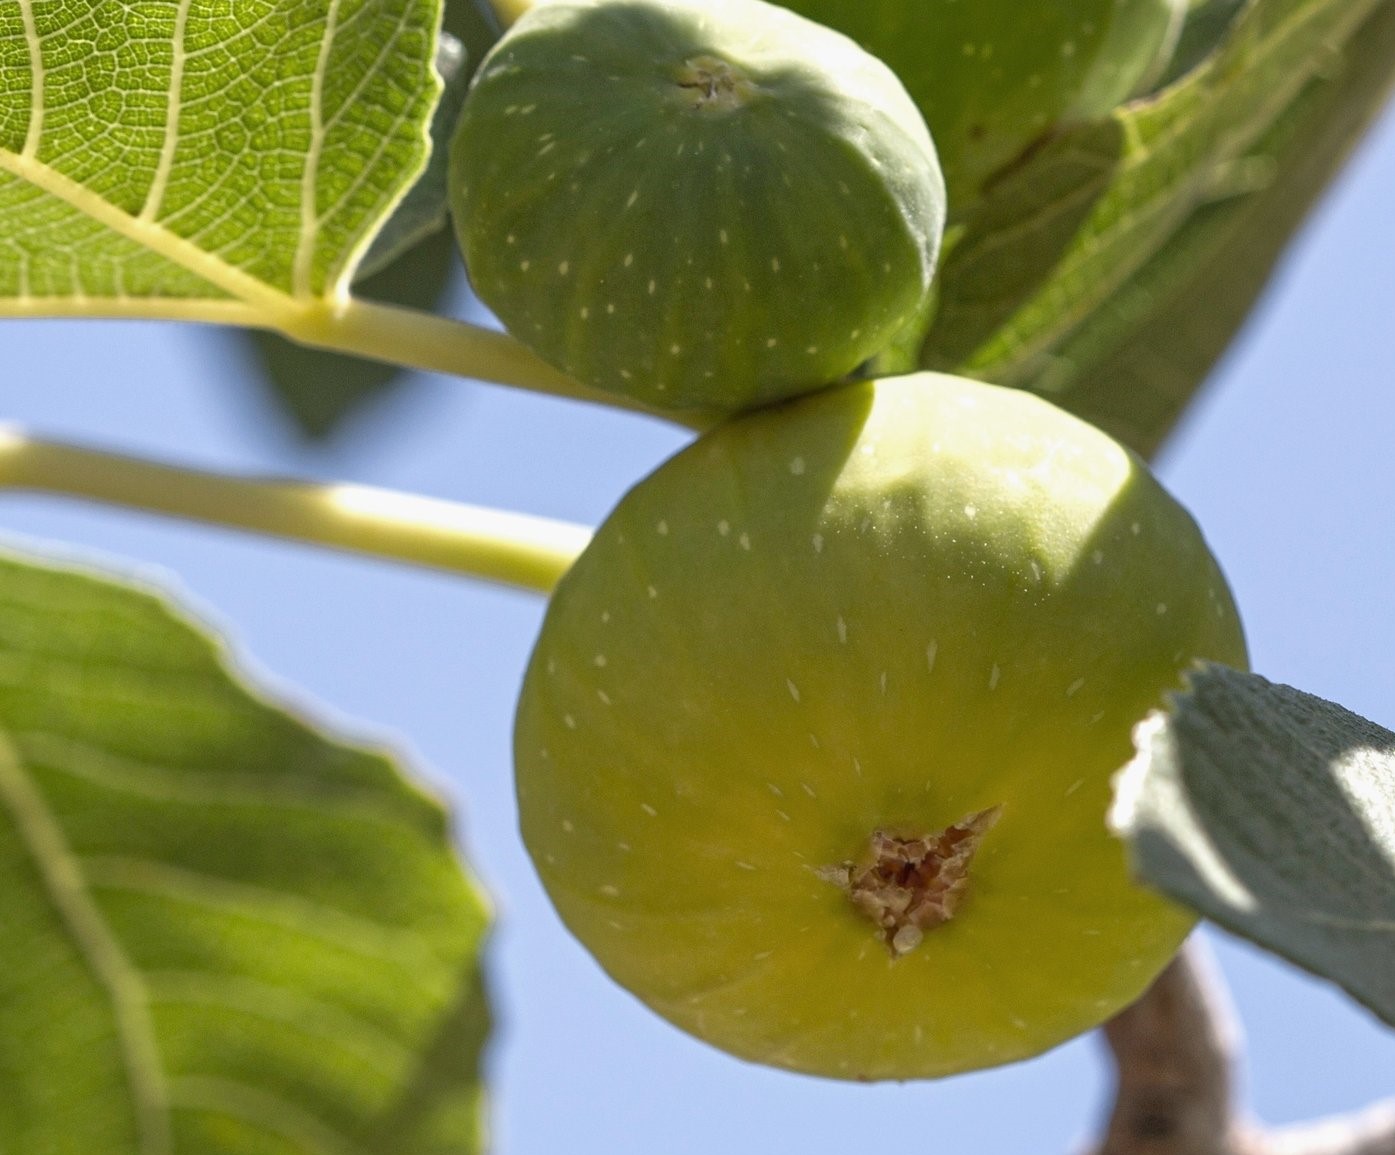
x,y
422,340
509,548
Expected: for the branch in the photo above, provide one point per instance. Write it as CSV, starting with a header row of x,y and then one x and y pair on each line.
x,y
417,339
1175,1052
510,548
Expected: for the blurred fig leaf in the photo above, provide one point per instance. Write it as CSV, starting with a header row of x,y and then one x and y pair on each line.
x,y
1203,30
411,262
1110,269
221,930
1272,812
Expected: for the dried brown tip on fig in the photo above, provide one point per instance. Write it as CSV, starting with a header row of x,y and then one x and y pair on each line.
x,y
909,885
714,84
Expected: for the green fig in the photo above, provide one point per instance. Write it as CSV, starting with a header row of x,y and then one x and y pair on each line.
x,y
708,204
814,751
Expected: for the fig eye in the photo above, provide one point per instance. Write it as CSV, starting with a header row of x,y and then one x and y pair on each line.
x,y
910,884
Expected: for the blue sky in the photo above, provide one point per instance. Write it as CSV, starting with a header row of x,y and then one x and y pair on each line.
x,y
1286,462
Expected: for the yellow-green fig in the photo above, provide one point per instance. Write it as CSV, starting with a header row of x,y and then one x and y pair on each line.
x,y
814,751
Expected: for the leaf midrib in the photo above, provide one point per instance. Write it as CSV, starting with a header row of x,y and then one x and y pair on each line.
x,y
149,234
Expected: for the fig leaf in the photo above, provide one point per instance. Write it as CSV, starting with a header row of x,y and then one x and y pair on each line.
x,y
230,164
993,76
1173,205
411,262
1272,812
224,930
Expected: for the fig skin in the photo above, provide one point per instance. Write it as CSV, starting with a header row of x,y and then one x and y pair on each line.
x,y
694,204
890,607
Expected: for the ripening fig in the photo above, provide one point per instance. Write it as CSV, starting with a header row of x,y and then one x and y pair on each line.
x,y
991,76
814,750
706,204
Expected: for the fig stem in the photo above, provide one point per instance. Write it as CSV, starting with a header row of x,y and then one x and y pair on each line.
x,y
1175,1052
416,339
511,549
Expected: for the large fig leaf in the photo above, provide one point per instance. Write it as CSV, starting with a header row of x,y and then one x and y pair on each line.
x,y
200,158
221,931
410,262
1273,813
1109,270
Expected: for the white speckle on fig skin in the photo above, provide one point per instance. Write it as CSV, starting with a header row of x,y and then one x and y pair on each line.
x,y
649,810
931,652
1075,687
1074,786
793,689
994,675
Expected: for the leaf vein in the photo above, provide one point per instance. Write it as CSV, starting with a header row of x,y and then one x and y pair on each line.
x,y
310,186
147,233
35,130
59,872
262,1109
306,916
155,196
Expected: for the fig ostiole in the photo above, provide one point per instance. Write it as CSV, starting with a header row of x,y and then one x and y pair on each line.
x,y
992,76
814,750
709,204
